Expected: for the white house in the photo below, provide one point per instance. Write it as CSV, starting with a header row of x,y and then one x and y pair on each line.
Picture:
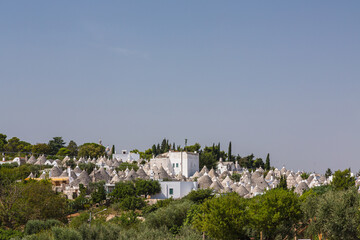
x,y
126,156
186,163
175,189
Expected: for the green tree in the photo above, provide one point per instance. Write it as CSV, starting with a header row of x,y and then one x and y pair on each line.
x,y
3,141
55,144
147,187
343,180
193,148
73,148
98,192
305,175
40,148
171,217
63,152
20,202
229,152
328,173
223,217
92,150
88,167
334,214
154,150
282,183
122,190
275,213
267,162
15,145
200,195
113,150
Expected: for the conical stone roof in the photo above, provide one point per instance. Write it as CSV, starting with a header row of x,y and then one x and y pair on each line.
x,y
216,186
55,172
31,160
204,181
212,173
301,188
204,170
242,191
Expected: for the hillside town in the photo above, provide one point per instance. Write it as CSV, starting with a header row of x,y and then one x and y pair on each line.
x,y
177,172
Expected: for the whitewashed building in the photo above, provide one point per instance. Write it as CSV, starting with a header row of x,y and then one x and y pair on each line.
x,y
186,163
175,189
126,156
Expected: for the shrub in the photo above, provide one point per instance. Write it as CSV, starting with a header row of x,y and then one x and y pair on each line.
x,y
132,203
10,233
171,217
126,220
199,195
36,226
99,231
79,220
65,234
157,205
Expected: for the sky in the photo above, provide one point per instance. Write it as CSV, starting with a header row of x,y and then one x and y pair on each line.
x,y
278,77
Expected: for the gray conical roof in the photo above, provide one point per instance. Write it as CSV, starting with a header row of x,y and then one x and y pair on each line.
x,y
162,174
224,175
242,191
31,175
43,176
102,175
196,175
31,160
301,188
216,186
212,173
204,181
204,170
55,172
64,174
115,179
83,179
77,170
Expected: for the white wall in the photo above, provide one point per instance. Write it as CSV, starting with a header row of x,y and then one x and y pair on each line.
x,y
129,157
180,189
186,163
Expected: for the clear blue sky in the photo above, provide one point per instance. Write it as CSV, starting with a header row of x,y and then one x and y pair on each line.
x,y
270,76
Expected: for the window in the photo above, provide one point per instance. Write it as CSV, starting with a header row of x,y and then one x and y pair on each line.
x,y
177,165
171,191
173,165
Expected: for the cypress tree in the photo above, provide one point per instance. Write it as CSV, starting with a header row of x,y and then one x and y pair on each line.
x,y
267,162
153,149
229,152
113,150
158,151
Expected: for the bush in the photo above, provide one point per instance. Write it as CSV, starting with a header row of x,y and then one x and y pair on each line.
x,y
132,203
171,217
126,220
122,190
36,226
199,195
8,234
100,231
157,205
65,234
79,220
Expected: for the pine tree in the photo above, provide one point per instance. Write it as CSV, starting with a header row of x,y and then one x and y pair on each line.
x,y
267,162
229,153
153,149
113,150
